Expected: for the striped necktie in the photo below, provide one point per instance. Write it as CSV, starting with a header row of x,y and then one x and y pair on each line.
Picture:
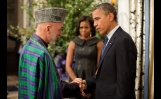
x,y
104,46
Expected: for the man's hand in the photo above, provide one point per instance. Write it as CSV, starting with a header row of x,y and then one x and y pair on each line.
x,y
86,95
83,86
77,80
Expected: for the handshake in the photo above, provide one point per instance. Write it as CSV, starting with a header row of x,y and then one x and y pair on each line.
x,y
82,86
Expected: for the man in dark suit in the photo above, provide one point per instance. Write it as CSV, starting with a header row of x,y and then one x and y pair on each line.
x,y
115,78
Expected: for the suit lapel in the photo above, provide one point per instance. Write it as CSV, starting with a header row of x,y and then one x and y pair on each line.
x,y
110,43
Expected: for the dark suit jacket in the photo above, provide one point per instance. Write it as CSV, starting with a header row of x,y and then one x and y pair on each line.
x,y
116,74
70,90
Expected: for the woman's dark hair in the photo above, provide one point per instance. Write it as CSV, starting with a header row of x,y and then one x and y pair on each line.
x,y
91,22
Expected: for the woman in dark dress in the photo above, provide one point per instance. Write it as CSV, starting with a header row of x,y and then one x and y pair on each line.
x,y
86,49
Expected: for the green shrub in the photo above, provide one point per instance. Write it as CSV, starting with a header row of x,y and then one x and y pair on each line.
x,y
75,8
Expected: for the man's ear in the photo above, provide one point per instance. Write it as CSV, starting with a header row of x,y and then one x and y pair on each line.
x,y
111,16
48,27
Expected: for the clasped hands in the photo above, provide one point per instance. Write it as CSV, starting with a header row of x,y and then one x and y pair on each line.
x,y
82,86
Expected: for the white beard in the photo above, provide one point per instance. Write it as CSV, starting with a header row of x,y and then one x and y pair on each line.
x,y
52,40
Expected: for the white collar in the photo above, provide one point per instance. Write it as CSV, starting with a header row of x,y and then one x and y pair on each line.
x,y
112,32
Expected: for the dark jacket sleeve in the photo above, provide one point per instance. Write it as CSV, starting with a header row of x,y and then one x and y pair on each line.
x,y
91,84
70,90
126,58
